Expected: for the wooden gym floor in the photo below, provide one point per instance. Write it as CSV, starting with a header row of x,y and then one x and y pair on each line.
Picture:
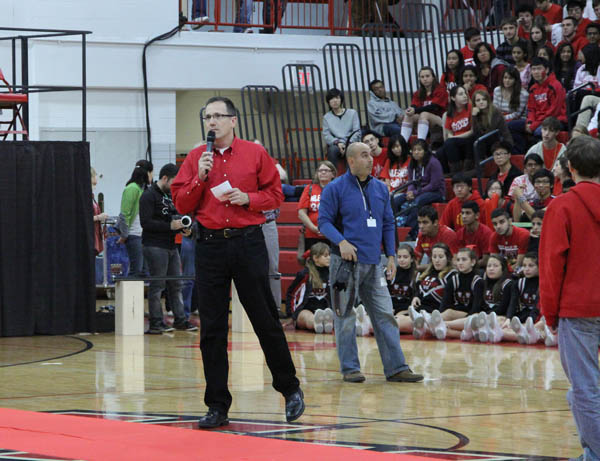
x,y
478,402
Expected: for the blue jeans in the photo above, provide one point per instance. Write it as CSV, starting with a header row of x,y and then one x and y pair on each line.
x,y
373,291
136,255
517,130
421,200
188,267
243,14
163,262
578,341
392,129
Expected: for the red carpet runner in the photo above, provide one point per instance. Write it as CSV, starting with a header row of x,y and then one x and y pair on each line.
x,y
81,438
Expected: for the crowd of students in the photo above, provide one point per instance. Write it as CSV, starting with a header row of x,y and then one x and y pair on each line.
x,y
480,280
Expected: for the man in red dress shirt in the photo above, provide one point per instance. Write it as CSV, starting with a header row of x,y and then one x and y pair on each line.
x,y
231,246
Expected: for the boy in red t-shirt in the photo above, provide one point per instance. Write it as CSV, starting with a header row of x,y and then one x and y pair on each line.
x,y
462,185
473,234
507,240
551,11
430,233
379,154
473,38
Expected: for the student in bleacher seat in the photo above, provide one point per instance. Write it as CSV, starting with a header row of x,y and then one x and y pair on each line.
x,y
430,286
549,148
427,106
489,67
533,162
395,170
451,74
486,118
507,240
537,219
506,172
543,181
565,65
510,98
472,38
521,58
341,126
495,198
308,206
547,53
473,234
546,99
525,19
430,233
539,36
427,186
463,296
457,150
462,185
379,154
511,38
469,80
308,298
561,173
385,116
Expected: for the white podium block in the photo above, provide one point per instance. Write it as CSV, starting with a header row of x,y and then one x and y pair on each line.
x,y
240,322
129,308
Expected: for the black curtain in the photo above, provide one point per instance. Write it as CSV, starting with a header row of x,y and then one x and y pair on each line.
x,y
47,283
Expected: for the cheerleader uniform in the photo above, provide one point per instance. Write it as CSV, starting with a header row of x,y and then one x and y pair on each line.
x,y
464,292
528,292
430,291
304,296
507,301
402,290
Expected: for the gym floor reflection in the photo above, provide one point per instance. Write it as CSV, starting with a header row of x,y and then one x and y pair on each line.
x,y
477,401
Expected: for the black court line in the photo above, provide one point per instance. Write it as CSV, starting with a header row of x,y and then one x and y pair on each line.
x,y
87,347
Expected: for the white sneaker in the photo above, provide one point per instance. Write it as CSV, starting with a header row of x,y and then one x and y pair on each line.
x,y
516,325
419,333
319,321
467,333
531,331
361,313
551,339
483,335
427,321
480,321
436,319
328,322
417,319
440,331
495,328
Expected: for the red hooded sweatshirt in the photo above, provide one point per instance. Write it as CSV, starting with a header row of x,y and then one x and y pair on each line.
x,y
546,99
569,249
452,213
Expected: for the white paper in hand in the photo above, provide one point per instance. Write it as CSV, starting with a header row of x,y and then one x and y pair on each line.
x,y
221,190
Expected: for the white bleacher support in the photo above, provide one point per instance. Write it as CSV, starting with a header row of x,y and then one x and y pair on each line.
x,y
129,307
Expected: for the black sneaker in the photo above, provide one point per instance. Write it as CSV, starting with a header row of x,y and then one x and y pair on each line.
x,y
185,326
155,330
167,328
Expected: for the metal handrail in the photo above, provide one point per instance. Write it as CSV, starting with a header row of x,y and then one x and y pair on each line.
x,y
476,161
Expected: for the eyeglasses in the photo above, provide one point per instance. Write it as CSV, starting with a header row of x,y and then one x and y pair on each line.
x,y
541,182
216,117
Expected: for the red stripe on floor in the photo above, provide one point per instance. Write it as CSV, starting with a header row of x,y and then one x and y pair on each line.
x,y
101,439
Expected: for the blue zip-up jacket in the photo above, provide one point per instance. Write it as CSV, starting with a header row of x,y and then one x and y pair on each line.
x,y
342,204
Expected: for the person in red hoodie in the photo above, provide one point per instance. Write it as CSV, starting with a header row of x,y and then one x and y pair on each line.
x,y
575,10
551,11
462,185
547,98
569,295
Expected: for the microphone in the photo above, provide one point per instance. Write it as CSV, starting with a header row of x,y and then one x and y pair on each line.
x,y
210,139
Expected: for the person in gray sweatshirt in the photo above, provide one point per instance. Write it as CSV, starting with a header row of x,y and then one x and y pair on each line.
x,y
385,116
341,126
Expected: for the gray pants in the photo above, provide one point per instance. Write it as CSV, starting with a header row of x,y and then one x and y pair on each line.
x,y
272,241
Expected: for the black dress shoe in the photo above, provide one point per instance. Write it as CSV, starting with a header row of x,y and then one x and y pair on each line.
x,y
214,418
294,406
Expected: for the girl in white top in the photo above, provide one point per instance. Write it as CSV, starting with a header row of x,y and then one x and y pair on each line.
x,y
589,55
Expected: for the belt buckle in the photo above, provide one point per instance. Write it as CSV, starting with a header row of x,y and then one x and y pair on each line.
x,y
227,233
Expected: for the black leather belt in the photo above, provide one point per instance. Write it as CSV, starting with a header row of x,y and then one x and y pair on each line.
x,y
212,234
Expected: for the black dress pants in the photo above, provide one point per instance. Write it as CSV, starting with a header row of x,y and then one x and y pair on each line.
x,y
244,260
